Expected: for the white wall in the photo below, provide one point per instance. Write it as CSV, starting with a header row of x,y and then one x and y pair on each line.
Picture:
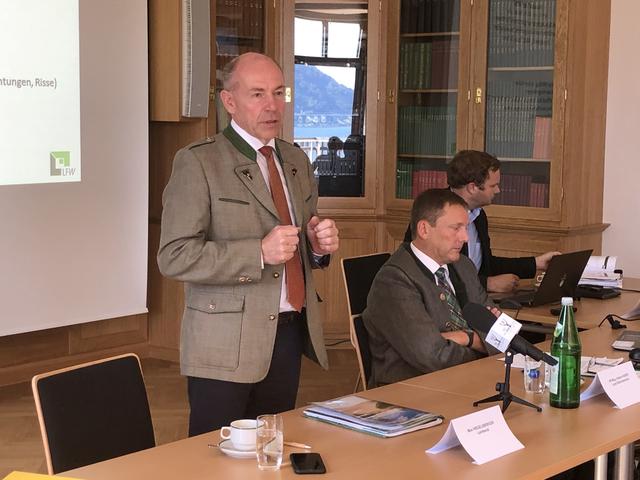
x,y
622,150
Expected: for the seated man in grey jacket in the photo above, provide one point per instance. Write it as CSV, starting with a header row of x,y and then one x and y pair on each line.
x,y
413,312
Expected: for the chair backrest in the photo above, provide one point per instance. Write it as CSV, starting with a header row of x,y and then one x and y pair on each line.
x,y
93,412
358,273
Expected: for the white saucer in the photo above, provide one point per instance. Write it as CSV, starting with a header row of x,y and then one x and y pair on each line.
x,y
229,449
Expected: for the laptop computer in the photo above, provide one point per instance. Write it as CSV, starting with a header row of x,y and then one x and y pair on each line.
x,y
560,280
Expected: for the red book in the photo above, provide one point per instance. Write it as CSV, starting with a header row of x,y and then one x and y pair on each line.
x,y
542,138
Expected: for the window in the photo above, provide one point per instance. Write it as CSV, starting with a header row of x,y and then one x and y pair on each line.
x,y
329,95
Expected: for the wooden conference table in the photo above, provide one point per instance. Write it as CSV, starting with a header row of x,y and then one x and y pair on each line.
x,y
554,439
590,311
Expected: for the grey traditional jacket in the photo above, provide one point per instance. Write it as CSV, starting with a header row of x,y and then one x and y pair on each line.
x,y
406,311
217,208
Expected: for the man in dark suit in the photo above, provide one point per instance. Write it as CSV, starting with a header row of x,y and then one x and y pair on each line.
x,y
413,312
475,176
240,228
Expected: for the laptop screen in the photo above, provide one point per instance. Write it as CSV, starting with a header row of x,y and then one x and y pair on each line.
x,y
560,280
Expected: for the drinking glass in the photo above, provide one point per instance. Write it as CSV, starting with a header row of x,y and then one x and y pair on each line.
x,y
269,442
534,374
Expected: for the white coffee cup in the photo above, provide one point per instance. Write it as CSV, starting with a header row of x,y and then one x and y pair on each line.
x,y
242,434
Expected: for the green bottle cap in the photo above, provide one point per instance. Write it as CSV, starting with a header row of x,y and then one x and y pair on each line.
x,y
567,301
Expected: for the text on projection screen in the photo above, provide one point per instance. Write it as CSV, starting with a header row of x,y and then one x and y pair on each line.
x,y
39,92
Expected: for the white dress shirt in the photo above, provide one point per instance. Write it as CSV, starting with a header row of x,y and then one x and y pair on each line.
x,y
432,265
256,144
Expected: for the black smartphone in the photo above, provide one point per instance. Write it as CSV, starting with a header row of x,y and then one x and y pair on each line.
x,y
303,463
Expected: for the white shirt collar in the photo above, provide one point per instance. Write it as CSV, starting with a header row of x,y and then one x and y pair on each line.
x,y
250,139
427,261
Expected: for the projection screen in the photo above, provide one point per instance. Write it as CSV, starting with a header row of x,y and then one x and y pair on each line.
x,y
73,161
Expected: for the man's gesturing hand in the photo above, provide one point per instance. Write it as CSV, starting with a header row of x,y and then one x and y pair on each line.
x,y
280,244
322,235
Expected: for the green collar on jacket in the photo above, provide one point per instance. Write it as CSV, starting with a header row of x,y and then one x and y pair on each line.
x,y
242,146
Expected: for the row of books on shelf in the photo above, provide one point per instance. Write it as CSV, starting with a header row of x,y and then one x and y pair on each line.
x,y
428,130
521,190
374,417
518,119
524,143
239,18
515,189
404,175
425,16
431,64
426,180
521,33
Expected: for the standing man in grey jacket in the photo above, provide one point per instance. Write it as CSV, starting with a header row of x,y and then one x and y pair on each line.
x,y
240,228
414,307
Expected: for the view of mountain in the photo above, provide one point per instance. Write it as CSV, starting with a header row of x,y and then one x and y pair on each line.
x,y
320,101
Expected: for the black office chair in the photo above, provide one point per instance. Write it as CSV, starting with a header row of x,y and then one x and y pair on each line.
x,y
358,274
93,412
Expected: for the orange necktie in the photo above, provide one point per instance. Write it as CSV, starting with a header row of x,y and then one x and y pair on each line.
x,y
293,266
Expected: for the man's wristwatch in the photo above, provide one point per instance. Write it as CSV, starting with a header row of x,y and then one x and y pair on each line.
x,y
470,334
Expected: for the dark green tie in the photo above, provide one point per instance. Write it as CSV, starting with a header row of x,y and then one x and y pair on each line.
x,y
457,321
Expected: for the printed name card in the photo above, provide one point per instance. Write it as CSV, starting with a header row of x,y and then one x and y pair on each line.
x,y
484,435
620,383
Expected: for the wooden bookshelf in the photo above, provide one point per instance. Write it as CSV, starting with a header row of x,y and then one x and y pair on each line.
x,y
530,88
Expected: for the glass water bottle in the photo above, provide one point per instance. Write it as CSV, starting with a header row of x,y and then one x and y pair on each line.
x,y
564,384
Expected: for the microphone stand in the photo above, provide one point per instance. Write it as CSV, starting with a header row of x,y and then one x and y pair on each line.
x,y
504,394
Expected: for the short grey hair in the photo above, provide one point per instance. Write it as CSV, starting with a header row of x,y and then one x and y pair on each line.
x,y
229,69
227,73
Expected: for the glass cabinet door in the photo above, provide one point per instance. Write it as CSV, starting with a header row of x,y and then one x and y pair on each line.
x,y
239,29
427,98
519,98
330,77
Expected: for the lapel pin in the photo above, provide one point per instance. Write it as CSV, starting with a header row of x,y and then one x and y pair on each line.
x,y
443,297
247,174
294,171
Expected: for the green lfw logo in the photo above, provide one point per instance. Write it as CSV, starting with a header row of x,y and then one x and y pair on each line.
x,y
61,164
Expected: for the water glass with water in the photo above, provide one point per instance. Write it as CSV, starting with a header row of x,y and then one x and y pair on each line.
x,y
269,442
534,375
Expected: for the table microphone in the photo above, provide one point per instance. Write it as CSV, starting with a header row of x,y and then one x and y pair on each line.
x,y
502,332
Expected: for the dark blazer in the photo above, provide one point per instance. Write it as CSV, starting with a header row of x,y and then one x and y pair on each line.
x,y
523,267
217,208
406,312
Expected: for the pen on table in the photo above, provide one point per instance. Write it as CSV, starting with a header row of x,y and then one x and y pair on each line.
x,y
297,445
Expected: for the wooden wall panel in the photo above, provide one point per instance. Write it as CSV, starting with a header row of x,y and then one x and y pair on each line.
x,y
106,334
393,229
511,242
26,354
165,296
165,139
33,346
356,238
165,60
166,303
585,125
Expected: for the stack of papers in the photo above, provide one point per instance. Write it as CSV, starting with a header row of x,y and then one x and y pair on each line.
x,y
371,416
590,366
600,271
